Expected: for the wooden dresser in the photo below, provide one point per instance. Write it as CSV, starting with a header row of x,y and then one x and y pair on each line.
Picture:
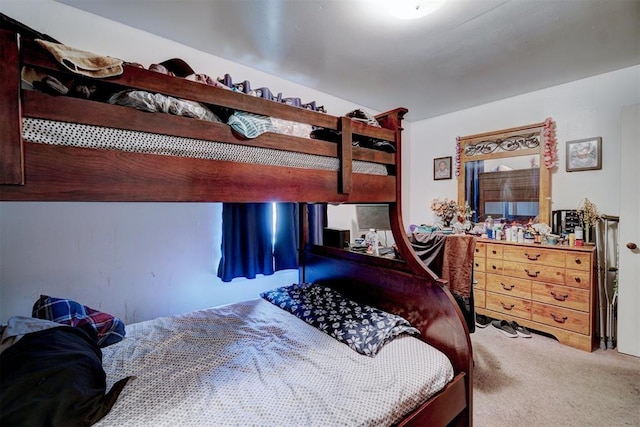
x,y
551,289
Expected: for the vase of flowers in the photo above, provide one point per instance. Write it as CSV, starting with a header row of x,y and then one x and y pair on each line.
x,y
464,215
446,209
588,214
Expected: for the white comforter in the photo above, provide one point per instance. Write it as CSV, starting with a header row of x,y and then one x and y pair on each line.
x,y
253,364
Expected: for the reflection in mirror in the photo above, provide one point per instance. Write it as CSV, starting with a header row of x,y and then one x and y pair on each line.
x,y
500,175
505,188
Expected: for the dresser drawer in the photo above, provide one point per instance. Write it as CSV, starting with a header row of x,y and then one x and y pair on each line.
x,y
508,305
480,280
578,261
571,320
479,264
494,250
479,298
578,278
493,266
520,288
534,254
541,273
561,296
480,249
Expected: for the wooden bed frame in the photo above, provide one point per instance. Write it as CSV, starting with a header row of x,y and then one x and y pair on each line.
x,y
42,172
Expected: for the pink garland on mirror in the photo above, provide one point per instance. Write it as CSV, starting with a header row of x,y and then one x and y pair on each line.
x,y
550,143
457,156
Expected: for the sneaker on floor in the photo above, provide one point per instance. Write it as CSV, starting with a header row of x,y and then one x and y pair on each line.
x,y
504,327
482,321
520,330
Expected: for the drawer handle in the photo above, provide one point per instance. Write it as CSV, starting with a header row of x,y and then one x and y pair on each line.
x,y
507,307
507,287
477,265
558,319
577,279
577,260
494,252
495,267
559,297
531,274
535,257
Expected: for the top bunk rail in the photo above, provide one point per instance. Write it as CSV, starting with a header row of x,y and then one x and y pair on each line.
x,y
57,170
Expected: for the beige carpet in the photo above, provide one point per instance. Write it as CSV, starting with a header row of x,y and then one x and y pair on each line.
x,y
540,382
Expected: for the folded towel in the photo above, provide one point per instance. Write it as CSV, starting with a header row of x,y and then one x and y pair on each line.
x,y
83,62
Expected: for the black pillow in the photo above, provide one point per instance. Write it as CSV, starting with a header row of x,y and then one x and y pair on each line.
x,y
54,377
364,328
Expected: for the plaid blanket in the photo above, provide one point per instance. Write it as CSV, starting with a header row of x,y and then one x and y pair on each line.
x,y
103,328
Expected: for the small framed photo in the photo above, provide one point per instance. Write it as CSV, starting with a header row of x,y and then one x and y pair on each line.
x,y
584,154
442,168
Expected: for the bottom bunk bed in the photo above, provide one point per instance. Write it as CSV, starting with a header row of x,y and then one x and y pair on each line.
x,y
356,344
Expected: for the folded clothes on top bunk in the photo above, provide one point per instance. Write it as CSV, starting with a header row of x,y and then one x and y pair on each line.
x,y
265,93
248,125
157,102
358,140
82,62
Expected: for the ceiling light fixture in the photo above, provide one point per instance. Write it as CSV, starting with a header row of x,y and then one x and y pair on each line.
x,y
412,9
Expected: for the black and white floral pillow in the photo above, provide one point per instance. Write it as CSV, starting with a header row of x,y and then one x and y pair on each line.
x,y
364,328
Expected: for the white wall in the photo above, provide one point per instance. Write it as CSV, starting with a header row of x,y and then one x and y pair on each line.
x,y
581,109
134,260
137,261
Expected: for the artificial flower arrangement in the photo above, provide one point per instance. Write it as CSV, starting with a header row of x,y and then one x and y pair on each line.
x,y
465,212
588,214
448,209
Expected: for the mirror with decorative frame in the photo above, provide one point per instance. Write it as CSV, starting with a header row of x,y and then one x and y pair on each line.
x,y
503,174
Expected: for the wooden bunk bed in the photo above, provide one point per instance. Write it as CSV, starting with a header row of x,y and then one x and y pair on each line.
x,y
34,171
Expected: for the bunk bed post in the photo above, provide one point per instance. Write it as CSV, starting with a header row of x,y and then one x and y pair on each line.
x,y
11,146
303,225
393,120
346,156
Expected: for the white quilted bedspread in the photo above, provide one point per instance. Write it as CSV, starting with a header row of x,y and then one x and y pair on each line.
x,y
253,364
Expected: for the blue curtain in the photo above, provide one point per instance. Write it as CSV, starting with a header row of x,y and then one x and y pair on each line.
x,y
317,221
247,240
285,249
250,246
472,170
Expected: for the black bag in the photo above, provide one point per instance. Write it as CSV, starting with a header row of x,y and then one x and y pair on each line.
x,y
54,377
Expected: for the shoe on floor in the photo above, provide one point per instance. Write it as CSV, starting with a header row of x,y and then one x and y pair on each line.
x,y
504,327
482,321
520,330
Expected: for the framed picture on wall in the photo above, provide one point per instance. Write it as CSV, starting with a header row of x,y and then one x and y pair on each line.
x,y
584,154
442,168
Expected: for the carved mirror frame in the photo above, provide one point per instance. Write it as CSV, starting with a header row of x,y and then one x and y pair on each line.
x,y
526,140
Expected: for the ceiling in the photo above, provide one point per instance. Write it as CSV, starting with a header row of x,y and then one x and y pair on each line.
x,y
467,53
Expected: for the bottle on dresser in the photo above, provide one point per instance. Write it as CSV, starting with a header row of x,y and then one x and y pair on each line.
x,y
514,232
371,240
488,225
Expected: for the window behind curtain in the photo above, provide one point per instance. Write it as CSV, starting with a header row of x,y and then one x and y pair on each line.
x,y
258,238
